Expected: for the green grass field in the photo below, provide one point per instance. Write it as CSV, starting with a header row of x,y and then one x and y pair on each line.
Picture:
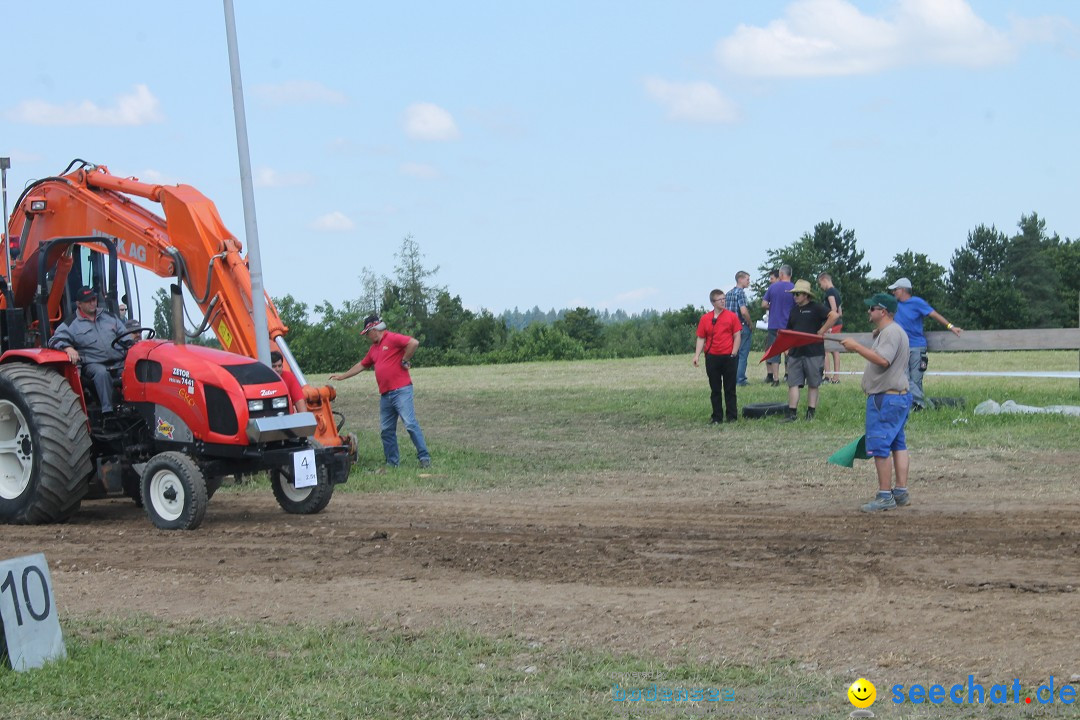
x,y
528,427
564,423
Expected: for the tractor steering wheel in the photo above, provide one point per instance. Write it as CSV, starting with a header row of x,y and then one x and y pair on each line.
x,y
132,331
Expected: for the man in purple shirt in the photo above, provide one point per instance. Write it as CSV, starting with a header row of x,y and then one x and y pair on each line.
x,y
778,301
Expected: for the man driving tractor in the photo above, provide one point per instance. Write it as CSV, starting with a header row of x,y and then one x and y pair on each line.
x,y
91,336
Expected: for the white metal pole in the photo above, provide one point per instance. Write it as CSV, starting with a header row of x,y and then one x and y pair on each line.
x,y
258,295
5,163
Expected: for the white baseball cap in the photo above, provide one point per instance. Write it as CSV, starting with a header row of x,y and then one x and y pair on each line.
x,y
901,283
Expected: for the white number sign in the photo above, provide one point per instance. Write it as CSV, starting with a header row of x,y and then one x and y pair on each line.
x,y
304,472
28,613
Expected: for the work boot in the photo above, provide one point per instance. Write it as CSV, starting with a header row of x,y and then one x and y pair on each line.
x,y
790,415
810,413
879,503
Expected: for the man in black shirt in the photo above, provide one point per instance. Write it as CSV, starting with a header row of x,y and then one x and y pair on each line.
x,y
806,362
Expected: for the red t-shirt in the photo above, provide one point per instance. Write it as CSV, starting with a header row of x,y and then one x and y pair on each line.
x,y
719,331
296,393
386,355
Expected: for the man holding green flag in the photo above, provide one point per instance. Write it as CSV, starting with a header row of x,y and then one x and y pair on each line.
x,y
888,402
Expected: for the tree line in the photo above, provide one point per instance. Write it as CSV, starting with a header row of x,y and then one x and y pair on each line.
x,y
1030,279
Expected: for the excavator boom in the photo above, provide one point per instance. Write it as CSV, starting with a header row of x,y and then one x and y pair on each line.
x,y
188,241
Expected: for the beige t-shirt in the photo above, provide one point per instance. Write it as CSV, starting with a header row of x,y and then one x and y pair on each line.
x,y
891,343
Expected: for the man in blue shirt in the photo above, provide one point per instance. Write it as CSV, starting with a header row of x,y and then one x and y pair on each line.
x,y
910,312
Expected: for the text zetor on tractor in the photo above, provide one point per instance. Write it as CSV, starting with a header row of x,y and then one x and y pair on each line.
x,y
186,416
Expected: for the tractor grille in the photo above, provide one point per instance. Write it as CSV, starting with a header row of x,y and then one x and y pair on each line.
x,y
220,410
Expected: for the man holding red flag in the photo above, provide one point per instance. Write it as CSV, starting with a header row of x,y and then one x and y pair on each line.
x,y
888,402
718,335
806,363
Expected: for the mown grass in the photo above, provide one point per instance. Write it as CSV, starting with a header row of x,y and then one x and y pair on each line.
x,y
536,424
143,669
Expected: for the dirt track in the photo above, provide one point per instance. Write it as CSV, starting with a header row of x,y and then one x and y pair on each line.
x,y
933,591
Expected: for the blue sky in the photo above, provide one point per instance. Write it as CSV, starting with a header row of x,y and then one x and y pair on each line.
x,y
609,154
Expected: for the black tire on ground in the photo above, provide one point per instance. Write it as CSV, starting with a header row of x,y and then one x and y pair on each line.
x,y
760,410
174,491
301,501
44,446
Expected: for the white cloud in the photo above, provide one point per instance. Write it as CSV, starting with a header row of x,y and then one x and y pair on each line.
x,y
138,108
698,102
336,221
421,171
269,177
427,121
299,92
833,37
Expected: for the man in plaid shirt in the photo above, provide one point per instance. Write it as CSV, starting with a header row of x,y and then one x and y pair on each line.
x,y
736,303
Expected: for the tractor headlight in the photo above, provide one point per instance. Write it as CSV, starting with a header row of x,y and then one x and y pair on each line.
x,y
279,403
255,405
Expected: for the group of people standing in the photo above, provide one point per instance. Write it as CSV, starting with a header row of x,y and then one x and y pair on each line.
x,y
892,379
724,335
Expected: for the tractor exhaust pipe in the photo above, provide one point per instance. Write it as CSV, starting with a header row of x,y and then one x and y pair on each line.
x,y
177,318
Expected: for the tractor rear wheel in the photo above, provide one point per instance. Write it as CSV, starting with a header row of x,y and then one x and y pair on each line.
x,y
44,446
174,491
301,501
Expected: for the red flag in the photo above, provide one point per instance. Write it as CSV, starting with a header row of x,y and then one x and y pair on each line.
x,y
787,339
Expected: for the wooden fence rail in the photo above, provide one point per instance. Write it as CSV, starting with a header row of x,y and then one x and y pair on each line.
x,y
986,340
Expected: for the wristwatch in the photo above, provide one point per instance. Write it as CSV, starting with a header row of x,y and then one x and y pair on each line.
x,y
406,364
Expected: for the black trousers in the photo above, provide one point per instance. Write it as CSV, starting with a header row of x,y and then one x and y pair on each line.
x,y
722,370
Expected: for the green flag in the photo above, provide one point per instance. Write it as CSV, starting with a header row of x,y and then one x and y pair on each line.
x,y
847,455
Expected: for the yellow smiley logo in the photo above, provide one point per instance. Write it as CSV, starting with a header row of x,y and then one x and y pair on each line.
x,y
862,693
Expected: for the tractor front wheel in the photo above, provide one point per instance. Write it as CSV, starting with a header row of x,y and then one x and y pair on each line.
x,y
301,501
174,491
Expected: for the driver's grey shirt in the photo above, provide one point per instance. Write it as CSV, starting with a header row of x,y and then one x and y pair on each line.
x,y
92,338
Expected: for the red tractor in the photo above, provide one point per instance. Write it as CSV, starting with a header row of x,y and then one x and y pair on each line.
x,y
188,416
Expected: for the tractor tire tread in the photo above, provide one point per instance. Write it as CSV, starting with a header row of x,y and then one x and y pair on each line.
x,y
64,463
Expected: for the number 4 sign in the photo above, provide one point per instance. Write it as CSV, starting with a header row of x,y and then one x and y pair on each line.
x,y
304,472
28,613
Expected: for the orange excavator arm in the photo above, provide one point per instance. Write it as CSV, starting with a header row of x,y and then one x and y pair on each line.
x,y
189,242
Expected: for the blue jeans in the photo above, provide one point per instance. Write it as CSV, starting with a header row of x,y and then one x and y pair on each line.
x,y
399,404
744,355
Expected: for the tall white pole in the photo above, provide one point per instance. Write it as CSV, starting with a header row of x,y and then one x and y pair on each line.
x,y
5,163
258,302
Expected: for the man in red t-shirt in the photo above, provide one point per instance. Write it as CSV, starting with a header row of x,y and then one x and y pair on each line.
x,y
390,356
296,393
718,335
